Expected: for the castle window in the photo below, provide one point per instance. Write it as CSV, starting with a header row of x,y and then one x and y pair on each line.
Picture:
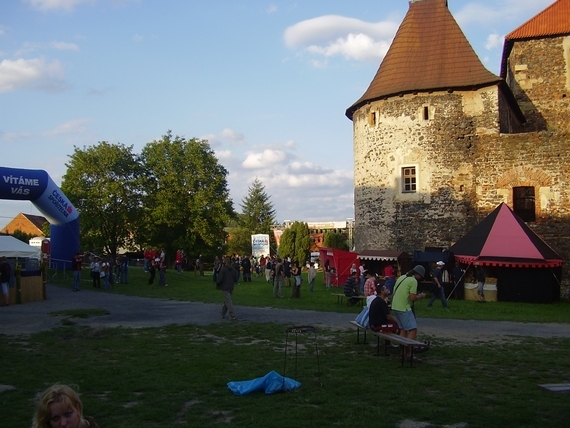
x,y
409,179
524,203
426,113
372,118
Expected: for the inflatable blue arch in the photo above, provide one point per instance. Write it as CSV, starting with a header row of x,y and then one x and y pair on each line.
x,y
38,187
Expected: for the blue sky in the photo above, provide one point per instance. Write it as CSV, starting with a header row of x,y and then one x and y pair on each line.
x,y
265,82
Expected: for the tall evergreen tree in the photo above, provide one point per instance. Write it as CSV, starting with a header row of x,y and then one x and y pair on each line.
x,y
258,215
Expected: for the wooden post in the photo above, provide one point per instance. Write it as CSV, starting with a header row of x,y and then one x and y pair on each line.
x,y
44,279
18,276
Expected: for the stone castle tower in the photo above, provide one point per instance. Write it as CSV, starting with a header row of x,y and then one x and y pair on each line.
x,y
440,141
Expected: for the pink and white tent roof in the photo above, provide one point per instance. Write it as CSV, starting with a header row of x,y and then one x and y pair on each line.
x,y
503,239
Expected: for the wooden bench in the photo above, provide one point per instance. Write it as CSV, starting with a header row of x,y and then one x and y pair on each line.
x,y
389,337
340,298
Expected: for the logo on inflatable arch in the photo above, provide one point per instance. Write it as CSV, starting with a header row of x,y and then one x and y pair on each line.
x,y
38,187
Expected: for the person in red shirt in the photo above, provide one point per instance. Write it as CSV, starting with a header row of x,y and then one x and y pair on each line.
x,y
390,274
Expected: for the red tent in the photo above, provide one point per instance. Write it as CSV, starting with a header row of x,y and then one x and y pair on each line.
x,y
527,268
341,261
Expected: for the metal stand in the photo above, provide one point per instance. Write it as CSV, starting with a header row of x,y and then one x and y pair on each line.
x,y
300,329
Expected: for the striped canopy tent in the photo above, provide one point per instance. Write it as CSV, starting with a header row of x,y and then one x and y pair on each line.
x,y
377,260
527,268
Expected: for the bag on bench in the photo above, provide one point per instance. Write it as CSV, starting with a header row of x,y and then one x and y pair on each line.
x,y
363,318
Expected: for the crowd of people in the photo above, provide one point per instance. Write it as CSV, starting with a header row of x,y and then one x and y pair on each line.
x,y
389,299
104,269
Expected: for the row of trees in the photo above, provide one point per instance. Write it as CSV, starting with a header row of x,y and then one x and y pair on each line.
x,y
172,195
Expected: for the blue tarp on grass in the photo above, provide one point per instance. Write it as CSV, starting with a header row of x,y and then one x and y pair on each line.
x,y
270,383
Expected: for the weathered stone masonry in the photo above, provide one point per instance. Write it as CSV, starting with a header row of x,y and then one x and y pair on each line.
x,y
465,165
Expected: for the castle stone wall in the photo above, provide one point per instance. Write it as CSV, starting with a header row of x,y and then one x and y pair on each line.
x,y
538,72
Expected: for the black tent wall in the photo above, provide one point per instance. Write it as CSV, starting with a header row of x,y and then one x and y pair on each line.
x,y
528,285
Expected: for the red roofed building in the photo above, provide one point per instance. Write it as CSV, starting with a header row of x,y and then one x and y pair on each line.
x,y
440,141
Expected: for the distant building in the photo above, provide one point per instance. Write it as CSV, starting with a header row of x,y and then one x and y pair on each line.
x,y
318,229
27,223
440,141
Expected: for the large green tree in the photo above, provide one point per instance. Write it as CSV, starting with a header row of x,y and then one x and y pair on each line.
x,y
257,216
302,242
103,182
187,202
287,243
296,242
335,240
239,241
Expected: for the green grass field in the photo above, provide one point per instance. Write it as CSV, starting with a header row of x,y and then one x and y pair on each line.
x,y
190,287
177,375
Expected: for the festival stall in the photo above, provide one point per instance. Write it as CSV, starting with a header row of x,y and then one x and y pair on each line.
x,y
516,260
340,262
27,258
377,260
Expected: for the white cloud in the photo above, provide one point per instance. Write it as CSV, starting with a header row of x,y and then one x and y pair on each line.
x,y
66,5
299,190
13,137
272,8
213,140
494,41
137,38
318,64
224,155
307,168
64,46
291,144
27,48
230,134
354,46
77,126
266,159
330,27
100,92
31,74
332,35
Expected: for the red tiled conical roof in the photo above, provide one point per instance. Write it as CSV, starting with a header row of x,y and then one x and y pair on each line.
x,y
429,52
552,21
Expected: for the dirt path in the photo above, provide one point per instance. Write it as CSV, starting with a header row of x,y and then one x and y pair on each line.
x,y
141,312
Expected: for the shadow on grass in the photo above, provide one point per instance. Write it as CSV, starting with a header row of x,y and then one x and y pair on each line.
x,y
177,375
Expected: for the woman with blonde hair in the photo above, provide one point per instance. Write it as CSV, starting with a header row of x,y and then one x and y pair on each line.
x,y
60,406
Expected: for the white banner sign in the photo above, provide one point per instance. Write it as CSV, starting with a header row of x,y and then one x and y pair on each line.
x,y
260,245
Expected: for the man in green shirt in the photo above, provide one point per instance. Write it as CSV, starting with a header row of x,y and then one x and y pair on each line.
x,y
405,293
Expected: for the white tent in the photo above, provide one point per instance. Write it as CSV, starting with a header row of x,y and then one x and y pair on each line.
x,y
11,247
